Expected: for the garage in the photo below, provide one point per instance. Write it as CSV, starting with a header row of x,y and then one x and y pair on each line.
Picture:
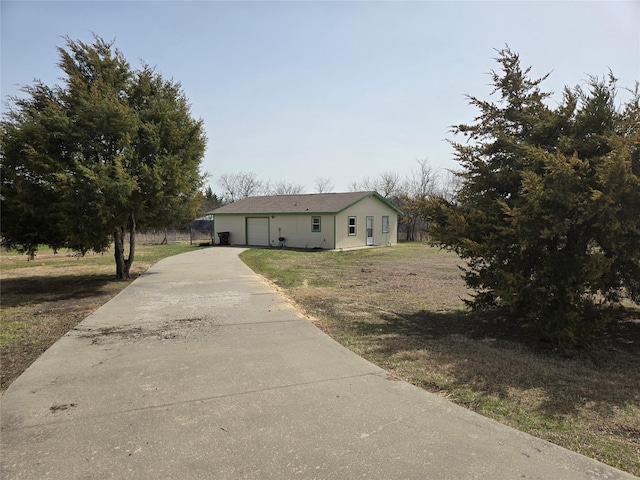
x,y
310,221
258,231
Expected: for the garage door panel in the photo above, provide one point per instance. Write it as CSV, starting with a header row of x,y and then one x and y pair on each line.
x,y
258,231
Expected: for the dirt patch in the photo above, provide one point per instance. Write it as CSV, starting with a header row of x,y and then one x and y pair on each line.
x,y
178,329
60,407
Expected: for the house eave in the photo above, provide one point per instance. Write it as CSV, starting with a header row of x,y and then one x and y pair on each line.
x,y
377,196
289,209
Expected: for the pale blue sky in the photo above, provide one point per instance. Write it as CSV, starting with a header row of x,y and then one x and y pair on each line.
x,y
298,90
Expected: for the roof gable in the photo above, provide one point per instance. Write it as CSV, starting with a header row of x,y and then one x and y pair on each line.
x,y
306,203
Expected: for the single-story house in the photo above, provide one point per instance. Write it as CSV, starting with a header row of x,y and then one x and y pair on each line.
x,y
322,220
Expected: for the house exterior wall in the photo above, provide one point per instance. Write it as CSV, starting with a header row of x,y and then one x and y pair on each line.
x,y
297,230
368,207
234,224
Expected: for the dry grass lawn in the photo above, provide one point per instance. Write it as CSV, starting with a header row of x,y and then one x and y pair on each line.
x,y
401,309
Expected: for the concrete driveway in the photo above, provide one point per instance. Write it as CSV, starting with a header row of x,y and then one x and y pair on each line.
x,y
201,370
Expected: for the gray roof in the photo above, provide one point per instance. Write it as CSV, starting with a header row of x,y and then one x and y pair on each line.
x,y
308,203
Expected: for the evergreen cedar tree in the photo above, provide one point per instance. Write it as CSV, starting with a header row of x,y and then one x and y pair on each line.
x,y
547,215
110,151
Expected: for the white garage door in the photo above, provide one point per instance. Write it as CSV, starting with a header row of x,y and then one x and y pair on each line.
x,y
258,231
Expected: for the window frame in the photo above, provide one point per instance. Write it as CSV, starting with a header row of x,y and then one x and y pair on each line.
x,y
386,226
313,224
350,226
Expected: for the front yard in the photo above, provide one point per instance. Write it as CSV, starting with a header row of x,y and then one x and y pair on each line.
x,y
401,308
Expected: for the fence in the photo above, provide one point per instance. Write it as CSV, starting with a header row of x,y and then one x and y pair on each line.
x,y
198,232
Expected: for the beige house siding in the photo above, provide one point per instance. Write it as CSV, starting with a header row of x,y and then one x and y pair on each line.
x,y
235,225
369,207
297,231
296,228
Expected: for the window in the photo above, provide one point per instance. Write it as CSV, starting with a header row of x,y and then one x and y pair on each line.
x,y
385,224
315,224
352,225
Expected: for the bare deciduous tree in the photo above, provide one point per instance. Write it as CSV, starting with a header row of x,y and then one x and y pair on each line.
x,y
450,184
365,184
323,185
389,184
286,188
423,181
354,187
236,186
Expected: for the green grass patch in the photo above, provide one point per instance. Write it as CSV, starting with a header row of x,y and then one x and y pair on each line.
x,y
11,332
283,272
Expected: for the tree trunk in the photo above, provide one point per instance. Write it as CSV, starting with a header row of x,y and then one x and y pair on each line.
x,y
411,227
132,245
118,243
123,266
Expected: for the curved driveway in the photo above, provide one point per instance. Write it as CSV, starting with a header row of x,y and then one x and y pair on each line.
x,y
199,370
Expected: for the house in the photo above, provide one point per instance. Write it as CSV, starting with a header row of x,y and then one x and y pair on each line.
x,y
322,220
